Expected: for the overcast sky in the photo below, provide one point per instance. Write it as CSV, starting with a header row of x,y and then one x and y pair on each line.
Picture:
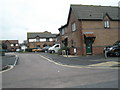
x,y
17,17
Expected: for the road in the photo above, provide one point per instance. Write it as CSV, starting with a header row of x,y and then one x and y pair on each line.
x,y
33,71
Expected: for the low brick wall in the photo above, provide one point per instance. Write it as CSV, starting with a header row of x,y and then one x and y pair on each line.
x,y
97,50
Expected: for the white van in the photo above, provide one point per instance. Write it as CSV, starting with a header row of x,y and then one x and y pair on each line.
x,y
54,48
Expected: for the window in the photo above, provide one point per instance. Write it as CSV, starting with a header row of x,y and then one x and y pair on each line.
x,y
63,31
47,40
73,27
56,46
107,24
12,44
16,44
37,39
50,39
43,40
32,40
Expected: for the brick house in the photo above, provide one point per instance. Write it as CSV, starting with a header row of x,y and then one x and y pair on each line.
x,y
89,29
12,45
40,39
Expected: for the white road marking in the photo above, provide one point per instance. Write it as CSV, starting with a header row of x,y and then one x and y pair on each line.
x,y
11,67
16,60
110,63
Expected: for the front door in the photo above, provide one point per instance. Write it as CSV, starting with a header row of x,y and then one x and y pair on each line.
x,y
89,48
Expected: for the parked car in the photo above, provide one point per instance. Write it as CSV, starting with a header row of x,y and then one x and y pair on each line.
x,y
37,50
17,50
113,50
54,48
45,49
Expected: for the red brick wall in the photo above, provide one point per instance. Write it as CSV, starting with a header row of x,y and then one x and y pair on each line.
x,y
97,50
104,37
76,36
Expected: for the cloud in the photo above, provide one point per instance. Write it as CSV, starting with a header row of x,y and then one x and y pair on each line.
x,y
17,17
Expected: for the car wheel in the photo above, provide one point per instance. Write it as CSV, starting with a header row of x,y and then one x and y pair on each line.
x,y
117,54
53,51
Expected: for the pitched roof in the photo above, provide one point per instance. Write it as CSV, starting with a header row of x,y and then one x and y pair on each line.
x,y
10,41
94,12
40,34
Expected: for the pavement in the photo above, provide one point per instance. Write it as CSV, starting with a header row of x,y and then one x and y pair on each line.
x,y
8,59
89,61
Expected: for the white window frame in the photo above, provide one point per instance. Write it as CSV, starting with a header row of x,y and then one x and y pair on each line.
x,y
51,39
16,44
73,27
106,24
12,45
32,40
43,40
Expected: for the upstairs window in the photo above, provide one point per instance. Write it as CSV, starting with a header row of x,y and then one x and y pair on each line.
x,y
16,44
12,45
63,31
47,40
32,40
106,24
73,27
43,40
37,39
51,39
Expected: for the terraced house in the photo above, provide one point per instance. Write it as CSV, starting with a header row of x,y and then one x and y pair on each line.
x,y
40,39
89,29
12,45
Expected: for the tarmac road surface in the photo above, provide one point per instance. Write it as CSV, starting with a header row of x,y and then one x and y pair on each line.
x,y
34,71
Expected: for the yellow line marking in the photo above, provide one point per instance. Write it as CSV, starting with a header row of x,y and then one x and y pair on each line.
x,y
60,64
110,63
